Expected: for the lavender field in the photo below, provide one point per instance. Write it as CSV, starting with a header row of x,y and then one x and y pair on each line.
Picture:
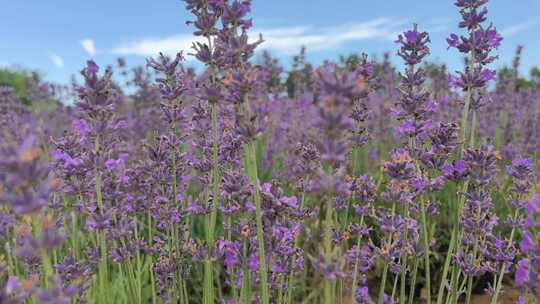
x,y
247,181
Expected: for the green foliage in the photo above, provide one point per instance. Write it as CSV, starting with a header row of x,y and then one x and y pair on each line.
x,y
20,81
535,74
28,88
350,61
508,73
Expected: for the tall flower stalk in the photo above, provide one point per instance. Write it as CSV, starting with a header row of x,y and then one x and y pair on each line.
x,y
522,173
207,17
426,145
252,171
338,89
478,44
96,106
225,51
172,87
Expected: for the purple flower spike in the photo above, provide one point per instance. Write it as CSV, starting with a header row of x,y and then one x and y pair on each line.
x,y
453,40
92,68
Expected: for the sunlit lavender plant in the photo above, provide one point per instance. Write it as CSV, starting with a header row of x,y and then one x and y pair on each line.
x,y
478,44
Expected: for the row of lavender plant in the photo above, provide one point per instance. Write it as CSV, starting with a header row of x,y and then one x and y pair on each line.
x,y
348,183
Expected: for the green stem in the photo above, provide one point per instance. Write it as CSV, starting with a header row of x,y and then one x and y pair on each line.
x,y
426,254
404,260
102,241
174,173
12,268
473,129
328,226
296,245
446,266
412,288
382,286
215,171
469,289
246,284
210,221
208,291
153,284
74,237
403,280
394,288
185,292
464,123
456,287
139,266
355,275
251,155
470,277
47,268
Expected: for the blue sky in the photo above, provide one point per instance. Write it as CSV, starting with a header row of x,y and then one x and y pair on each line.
x,y
56,37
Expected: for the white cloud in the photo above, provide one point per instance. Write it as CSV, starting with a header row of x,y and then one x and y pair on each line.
x,y
289,40
89,46
282,40
515,29
152,46
57,60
